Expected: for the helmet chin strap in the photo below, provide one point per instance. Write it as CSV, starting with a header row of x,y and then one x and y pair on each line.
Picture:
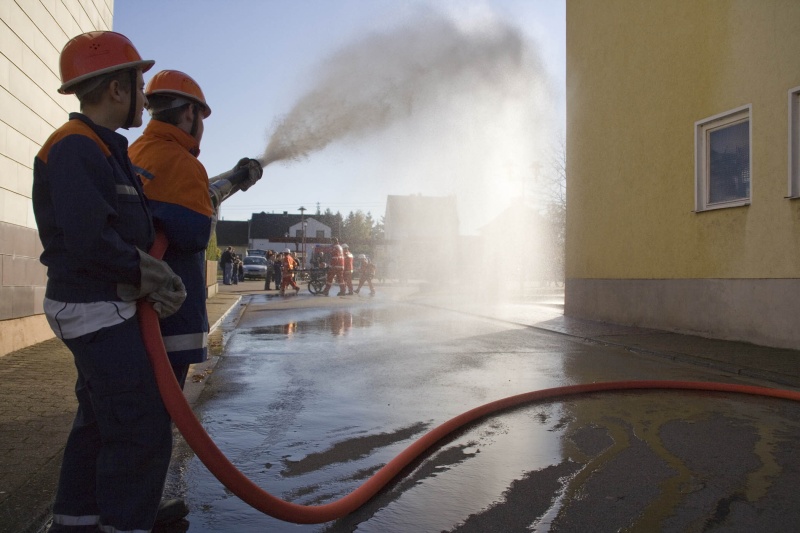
x,y
195,121
132,106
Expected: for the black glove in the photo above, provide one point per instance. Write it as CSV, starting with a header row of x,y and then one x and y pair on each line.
x,y
254,172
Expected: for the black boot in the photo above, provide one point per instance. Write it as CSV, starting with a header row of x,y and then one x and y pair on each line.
x,y
171,511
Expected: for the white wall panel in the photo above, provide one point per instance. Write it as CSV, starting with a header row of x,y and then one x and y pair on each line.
x,y
17,147
77,10
32,35
63,17
16,178
14,208
21,118
10,45
46,24
28,32
32,96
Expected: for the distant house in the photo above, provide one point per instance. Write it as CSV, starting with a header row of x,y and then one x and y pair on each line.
x,y
233,233
273,231
419,230
683,168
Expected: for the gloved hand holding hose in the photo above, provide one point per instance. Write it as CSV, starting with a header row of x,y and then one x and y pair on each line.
x,y
254,172
243,176
158,285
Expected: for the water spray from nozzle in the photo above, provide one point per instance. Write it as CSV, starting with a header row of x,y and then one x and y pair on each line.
x,y
382,79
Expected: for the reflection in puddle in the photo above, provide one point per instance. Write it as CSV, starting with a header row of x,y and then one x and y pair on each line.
x,y
338,322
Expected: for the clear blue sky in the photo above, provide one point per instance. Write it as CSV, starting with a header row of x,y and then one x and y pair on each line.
x,y
254,60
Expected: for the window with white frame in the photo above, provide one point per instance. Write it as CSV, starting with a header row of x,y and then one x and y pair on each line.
x,y
794,143
722,160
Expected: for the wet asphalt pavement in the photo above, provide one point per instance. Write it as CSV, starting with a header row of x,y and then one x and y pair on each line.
x,y
312,395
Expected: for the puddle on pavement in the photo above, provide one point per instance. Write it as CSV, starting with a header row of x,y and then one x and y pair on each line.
x,y
309,410
285,428
651,458
337,322
467,473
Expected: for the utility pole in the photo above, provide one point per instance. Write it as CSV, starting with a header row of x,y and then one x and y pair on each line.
x,y
303,225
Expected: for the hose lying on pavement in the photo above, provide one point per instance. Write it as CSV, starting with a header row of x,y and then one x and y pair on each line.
x,y
219,465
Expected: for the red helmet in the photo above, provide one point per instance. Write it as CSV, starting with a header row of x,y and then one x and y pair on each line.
x,y
94,53
176,83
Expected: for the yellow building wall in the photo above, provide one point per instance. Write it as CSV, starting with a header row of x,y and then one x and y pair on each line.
x,y
639,75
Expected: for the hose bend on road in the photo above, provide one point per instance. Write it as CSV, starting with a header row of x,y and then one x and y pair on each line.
x,y
219,465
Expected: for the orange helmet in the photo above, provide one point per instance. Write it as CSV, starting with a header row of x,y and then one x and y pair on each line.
x,y
176,83
94,53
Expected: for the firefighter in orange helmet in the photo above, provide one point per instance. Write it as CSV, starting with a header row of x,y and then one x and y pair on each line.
x,y
184,203
348,268
289,266
336,268
95,228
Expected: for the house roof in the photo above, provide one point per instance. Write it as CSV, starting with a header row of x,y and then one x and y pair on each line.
x,y
271,226
232,233
275,226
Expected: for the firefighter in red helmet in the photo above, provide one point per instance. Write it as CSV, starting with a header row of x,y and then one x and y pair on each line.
x,y
336,268
95,228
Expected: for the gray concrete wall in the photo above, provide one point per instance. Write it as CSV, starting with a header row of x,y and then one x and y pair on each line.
x,y
759,311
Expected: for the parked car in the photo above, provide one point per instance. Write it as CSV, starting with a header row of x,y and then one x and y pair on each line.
x,y
255,267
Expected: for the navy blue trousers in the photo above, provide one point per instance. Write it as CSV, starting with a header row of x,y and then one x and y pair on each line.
x,y
118,451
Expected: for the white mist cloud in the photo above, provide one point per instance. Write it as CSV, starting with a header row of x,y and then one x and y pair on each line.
x,y
456,105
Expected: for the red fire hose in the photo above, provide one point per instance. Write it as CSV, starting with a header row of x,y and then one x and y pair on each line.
x,y
241,486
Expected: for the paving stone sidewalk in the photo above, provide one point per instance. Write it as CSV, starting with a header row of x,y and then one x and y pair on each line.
x,y
37,405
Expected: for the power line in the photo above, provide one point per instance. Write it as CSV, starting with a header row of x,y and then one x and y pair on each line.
x,y
283,207
250,206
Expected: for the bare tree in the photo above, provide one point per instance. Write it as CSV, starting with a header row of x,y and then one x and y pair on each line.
x,y
556,179
552,183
